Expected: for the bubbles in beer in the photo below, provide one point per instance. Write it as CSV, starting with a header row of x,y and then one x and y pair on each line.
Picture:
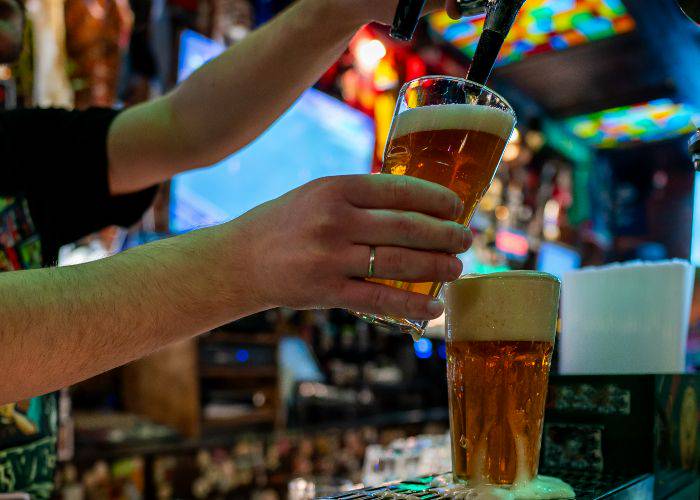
x,y
456,145
399,169
500,337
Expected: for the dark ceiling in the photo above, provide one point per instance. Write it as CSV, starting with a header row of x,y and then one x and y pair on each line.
x,y
592,77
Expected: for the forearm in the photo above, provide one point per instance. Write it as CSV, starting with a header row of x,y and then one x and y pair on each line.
x,y
63,325
231,100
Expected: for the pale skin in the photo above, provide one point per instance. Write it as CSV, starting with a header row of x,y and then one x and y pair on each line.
x,y
306,249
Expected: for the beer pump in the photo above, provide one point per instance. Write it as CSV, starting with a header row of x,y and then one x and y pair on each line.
x,y
500,15
691,8
694,150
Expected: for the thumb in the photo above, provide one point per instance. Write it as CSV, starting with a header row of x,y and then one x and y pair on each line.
x,y
449,5
452,9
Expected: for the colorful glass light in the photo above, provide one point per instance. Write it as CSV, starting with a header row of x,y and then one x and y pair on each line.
x,y
651,121
541,26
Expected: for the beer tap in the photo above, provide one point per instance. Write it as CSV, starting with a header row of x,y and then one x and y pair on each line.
x,y
691,8
500,15
694,150
408,14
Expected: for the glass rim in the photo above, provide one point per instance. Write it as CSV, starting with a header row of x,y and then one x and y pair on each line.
x,y
506,275
459,79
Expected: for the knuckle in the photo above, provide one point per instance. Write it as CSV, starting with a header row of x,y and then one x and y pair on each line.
x,y
401,189
321,182
456,237
324,227
441,266
408,228
326,185
335,290
413,306
447,203
316,258
394,262
377,298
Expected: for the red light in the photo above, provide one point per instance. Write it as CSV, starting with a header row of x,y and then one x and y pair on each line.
x,y
512,243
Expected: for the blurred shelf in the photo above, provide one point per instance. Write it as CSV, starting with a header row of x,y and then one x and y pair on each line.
x,y
387,419
108,451
261,416
223,336
233,372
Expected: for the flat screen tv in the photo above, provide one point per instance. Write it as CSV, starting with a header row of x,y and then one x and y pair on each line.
x,y
318,136
557,259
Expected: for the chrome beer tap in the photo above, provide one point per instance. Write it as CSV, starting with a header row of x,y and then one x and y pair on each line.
x,y
500,15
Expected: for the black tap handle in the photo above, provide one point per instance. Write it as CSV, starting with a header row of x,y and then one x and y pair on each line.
x,y
500,15
694,149
406,19
470,8
691,8
484,59
408,13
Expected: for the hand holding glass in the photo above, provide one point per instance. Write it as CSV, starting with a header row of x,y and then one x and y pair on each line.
x,y
452,132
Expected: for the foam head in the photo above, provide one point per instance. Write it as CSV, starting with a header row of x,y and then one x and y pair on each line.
x,y
515,305
474,117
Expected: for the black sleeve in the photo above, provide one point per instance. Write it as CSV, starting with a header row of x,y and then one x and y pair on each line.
x,y
57,159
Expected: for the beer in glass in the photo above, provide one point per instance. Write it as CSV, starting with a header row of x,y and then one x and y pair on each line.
x,y
453,132
500,331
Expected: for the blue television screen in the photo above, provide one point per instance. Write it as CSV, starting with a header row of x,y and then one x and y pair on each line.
x,y
195,50
695,237
557,259
318,136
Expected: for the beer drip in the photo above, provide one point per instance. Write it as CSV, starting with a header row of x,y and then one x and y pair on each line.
x,y
540,488
500,15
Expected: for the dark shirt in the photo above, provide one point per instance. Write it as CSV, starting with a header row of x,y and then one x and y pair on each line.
x,y
53,190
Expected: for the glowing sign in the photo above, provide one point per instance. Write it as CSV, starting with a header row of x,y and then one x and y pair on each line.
x,y
651,121
512,244
541,26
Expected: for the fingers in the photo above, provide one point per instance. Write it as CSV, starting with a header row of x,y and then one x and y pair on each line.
x,y
410,230
452,9
449,5
404,264
433,5
367,297
402,192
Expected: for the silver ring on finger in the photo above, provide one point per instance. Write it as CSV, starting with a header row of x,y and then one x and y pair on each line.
x,y
372,255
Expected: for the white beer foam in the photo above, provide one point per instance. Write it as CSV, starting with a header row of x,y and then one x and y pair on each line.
x,y
540,488
455,117
513,306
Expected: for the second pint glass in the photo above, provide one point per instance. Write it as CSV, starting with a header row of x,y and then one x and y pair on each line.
x,y
452,132
500,331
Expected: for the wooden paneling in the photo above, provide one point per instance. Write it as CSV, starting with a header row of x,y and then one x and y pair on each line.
x,y
165,387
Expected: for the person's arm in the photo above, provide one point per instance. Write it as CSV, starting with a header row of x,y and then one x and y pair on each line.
x,y
231,100
62,325
305,249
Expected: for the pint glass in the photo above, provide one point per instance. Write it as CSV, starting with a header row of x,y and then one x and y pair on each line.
x,y
453,132
500,331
